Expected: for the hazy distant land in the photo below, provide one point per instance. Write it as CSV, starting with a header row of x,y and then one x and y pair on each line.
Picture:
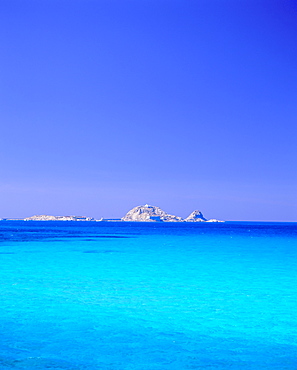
x,y
146,213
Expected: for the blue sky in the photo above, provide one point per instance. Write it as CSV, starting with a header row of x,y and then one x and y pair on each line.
x,y
105,105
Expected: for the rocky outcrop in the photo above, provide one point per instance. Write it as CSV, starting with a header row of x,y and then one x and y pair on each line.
x,y
58,218
195,216
149,213
144,213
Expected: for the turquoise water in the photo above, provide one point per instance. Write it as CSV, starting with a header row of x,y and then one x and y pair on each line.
x,y
149,296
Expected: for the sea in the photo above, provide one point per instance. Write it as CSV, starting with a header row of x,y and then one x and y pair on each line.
x,y
148,296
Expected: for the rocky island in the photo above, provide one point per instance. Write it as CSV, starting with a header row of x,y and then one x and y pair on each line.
x,y
58,218
146,213
195,216
149,213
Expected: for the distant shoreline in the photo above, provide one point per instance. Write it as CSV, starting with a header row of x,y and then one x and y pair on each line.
x,y
145,222
145,213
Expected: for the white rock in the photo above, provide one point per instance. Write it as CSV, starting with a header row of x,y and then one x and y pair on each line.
x,y
195,216
149,213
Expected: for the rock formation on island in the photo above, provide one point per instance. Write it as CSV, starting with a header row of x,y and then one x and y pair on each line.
x,y
58,218
144,213
149,213
195,216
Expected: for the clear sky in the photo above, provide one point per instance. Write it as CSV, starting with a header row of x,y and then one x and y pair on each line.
x,y
184,104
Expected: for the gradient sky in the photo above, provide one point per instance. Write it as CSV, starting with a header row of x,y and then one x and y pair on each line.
x,y
106,105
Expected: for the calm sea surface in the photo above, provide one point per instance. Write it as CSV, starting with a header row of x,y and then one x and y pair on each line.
x,y
148,296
